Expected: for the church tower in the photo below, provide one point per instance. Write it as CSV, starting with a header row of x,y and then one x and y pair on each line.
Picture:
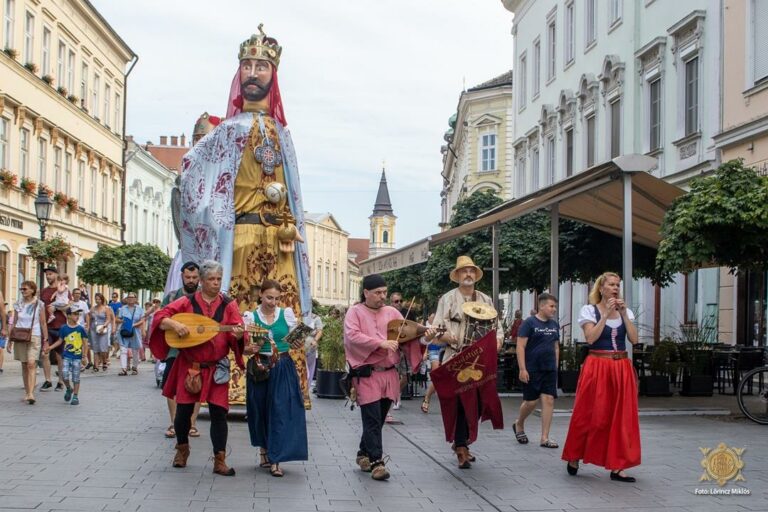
x,y
382,221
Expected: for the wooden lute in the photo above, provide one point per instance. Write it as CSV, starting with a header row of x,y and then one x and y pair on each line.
x,y
406,330
201,329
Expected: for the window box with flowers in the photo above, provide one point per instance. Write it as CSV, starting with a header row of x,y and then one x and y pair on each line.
x,y
60,199
31,67
28,186
73,99
47,79
44,188
62,90
8,179
72,204
11,52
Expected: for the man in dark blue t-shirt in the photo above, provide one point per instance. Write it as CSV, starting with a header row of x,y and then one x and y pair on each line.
x,y
538,354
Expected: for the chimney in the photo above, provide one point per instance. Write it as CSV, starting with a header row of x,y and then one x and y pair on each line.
x,y
163,140
183,140
174,140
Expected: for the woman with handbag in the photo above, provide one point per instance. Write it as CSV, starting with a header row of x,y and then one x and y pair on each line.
x,y
27,334
274,402
102,323
130,318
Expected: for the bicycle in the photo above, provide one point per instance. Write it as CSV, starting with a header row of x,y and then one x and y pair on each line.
x,y
754,405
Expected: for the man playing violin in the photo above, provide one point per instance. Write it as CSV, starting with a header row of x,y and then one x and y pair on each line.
x,y
202,358
373,360
458,334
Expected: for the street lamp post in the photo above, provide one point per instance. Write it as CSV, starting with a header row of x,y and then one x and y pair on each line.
x,y
43,205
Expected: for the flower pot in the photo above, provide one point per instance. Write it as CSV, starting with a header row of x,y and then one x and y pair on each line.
x,y
327,384
655,385
568,380
697,385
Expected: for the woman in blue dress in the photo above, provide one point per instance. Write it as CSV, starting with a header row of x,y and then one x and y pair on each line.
x,y
275,406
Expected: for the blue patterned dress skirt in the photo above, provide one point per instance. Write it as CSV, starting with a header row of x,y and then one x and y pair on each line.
x,y
276,415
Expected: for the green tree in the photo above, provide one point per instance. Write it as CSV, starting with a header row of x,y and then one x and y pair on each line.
x,y
721,221
129,267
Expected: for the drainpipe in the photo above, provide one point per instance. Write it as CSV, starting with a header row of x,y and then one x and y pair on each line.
x,y
125,116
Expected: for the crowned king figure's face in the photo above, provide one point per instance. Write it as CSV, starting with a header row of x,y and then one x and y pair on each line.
x,y
255,79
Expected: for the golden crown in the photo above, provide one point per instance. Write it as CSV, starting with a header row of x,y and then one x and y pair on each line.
x,y
261,47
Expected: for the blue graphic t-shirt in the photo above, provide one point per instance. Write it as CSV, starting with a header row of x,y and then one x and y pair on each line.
x,y
540,348
73,340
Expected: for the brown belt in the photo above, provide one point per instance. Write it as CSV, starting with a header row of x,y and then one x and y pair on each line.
x,y
608,354
257,218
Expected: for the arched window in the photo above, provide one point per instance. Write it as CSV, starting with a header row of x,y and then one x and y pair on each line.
x,y
385,237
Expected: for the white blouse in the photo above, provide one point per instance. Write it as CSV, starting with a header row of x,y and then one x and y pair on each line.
x,y
587,315
24,313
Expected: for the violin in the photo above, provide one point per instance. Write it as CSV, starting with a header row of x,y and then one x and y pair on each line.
x,y
407,330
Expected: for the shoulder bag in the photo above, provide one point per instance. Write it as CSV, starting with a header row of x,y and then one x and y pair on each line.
x,y
126,329
23,334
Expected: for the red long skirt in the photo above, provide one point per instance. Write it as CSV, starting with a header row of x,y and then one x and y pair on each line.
x,y
604,428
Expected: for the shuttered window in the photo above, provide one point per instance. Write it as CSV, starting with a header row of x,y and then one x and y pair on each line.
x,y
760,38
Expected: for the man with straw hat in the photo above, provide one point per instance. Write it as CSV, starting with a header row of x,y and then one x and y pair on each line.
x,y
459,333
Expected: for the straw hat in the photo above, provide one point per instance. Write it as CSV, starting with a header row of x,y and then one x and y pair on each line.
x,y
463,262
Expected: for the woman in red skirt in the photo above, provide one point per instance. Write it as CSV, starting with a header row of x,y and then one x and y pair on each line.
x,y
604,428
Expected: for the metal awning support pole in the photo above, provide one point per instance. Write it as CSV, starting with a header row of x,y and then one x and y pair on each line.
x,y
554,268
626,256
495,238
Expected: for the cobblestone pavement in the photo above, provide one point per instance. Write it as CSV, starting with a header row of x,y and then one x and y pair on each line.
x,y
109,453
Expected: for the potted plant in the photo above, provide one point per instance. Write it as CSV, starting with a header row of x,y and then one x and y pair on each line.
x,y
73,99
31,67
62,90
665,361
47,79
11,52
570,362
60,198
696,355
333,360
46,189
28,186
72,204
8,179
50,250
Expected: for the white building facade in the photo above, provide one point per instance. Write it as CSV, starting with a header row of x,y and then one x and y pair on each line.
x,y
596,79
148,201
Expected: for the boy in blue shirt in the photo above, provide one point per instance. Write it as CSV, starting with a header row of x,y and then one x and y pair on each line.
x,y
538,353
75,340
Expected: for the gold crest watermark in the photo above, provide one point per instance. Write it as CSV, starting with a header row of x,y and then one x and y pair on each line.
x,y
723,464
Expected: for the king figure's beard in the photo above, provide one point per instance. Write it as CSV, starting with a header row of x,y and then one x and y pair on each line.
x,y
257,94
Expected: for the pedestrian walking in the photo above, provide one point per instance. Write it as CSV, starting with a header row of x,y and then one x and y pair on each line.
x,y
102,324
3,330
82,306
190,279
538,355
55,302
75,340
373,360
130,318
432,357
114,304
604,428
27,334
197,374
316,324
275,404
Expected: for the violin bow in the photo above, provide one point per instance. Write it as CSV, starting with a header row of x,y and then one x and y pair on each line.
x,y
402,324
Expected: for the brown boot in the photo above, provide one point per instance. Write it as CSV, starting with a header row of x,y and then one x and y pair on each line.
x,y
182,454
220,465
462,453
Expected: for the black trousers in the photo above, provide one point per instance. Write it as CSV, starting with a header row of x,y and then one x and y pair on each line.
x,y
373,416
219,428
461,434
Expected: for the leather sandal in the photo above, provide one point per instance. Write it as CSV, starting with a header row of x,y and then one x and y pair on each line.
x,y
193,432
275,470
170,433
264,460
520,436
425,406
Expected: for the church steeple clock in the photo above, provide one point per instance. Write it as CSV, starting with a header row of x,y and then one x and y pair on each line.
x,y
383,221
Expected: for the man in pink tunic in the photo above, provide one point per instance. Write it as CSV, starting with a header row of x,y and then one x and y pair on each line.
x,y
374,360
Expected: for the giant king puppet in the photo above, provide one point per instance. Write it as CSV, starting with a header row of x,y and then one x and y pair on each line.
x,y
240,194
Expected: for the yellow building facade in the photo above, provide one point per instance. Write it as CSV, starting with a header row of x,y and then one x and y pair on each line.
x,y
478,154
330,275
744,298
62,101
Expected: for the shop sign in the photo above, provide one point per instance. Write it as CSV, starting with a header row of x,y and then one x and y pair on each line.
x,y
11,222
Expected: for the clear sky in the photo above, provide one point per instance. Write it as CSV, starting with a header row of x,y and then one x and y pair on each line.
x,y
363,81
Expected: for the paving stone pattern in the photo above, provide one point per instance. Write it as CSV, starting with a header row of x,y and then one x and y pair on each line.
x,y
109,453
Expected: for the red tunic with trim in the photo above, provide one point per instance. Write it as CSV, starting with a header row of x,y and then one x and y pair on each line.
x,y
208,352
